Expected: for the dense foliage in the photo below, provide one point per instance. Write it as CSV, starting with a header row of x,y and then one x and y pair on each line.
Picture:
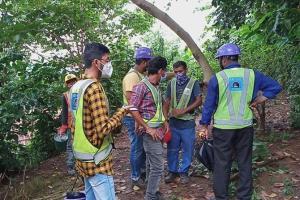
x,y
41,41
269,35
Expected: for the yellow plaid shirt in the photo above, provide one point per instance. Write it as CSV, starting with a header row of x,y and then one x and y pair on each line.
x,y
96,124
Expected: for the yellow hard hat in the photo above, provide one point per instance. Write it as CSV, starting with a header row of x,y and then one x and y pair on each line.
x,y
69,77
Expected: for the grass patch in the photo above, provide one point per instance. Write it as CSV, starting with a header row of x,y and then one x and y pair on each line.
x,y
288,189
279,136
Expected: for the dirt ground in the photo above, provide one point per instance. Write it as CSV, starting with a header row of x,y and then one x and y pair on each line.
x,y
277,180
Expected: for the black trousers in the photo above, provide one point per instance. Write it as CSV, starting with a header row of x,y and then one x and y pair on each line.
x,y
227,141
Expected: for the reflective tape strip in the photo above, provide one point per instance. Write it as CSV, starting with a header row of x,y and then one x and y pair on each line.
x,y
102,155
244,95
82,88
229,96
155,124
83,156
233,122
97,157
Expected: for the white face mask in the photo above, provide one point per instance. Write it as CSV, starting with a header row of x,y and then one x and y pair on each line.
x,y
107,70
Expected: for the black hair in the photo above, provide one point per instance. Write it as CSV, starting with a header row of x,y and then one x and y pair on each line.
x,y
138,61
157,63
180,63
93,51
233,57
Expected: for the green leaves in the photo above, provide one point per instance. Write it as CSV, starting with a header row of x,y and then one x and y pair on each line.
x,y
40,41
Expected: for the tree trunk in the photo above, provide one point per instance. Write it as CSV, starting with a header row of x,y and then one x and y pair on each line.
x,y
164,17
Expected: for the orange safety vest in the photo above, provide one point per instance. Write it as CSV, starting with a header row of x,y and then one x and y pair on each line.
x,y
70,117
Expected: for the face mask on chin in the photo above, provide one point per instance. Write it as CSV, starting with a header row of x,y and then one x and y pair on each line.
x,y
107,71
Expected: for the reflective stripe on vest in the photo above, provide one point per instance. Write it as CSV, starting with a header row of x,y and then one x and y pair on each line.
x,y
235,93
83,150
184,99
158,119
132,70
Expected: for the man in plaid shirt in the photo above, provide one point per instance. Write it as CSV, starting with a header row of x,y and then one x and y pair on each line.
x,y
147,111
96,123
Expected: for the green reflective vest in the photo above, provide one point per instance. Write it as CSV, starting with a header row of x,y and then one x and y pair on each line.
x,y
83,150
158,119
235,94
184,99
132,70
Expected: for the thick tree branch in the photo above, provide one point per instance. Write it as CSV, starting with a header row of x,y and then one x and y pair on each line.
x,y
164,17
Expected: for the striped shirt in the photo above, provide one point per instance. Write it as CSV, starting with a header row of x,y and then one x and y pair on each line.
x,y
97,124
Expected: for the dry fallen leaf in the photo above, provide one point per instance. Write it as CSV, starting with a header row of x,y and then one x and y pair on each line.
x,y
264,195
122,188
136,188
278,184
273,195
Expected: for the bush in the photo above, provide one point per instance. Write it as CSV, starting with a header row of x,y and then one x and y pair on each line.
x,y
29,103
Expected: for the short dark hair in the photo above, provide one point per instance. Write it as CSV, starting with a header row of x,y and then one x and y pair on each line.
x,y
180,63
93,51
157,63
233,57
138,61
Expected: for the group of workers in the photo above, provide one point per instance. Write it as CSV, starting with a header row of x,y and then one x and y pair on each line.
x,y
149,115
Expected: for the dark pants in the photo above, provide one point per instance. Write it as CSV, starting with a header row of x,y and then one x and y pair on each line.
x,y
227,141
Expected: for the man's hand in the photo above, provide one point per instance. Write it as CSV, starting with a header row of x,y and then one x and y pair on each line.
x,y
138,128
153,133
62,130
203,131
166,126
178,112
258,100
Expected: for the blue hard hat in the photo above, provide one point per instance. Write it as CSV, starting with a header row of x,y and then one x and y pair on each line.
x,y
228,49
143,52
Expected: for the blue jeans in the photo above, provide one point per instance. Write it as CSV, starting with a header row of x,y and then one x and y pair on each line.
x,y
137,153
70,156
185,139
99,187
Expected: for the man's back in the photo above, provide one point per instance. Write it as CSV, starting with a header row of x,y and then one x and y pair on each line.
x,y
132,78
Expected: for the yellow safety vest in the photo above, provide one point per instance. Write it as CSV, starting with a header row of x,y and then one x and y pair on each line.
x,y
83,150
236,87
184,99
158,119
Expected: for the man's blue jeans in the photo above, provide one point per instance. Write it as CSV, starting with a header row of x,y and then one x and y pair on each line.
x,y
99,187
137,153
185,139
70,156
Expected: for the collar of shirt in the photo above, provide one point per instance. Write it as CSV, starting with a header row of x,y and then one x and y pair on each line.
x,y
233,65
156,86
85,76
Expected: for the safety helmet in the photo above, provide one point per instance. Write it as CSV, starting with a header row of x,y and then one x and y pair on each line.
x,y
69,77
228,49
205,153
143,52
